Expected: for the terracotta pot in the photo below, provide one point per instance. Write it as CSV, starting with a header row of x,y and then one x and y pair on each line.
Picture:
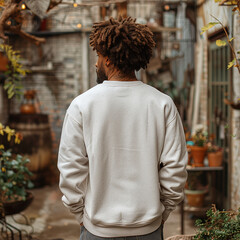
x,y
3,63
27,108
195,198
215,159
198,155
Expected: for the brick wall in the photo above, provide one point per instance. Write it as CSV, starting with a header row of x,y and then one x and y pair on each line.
x,y
58,86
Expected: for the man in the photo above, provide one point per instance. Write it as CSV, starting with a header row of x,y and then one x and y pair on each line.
x,y
122,155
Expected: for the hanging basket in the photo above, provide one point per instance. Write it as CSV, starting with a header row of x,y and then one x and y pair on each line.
x,y
15,207
198,155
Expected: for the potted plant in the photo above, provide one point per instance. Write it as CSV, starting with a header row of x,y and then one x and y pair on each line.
x,y
214,154
199,148
219,225
14,176
195,190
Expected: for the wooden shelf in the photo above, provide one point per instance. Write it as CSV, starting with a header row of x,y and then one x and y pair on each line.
x,y
191,209
213,195
205,168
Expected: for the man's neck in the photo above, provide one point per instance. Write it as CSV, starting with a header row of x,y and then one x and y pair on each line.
x,y
119,76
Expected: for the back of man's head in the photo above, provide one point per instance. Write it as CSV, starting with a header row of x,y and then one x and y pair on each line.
x,y
127,44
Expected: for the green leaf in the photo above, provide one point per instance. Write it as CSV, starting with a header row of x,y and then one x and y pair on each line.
x,y
10,89
10,173
14,162
30,185
230,64
231,39
208,26
220,43
10,95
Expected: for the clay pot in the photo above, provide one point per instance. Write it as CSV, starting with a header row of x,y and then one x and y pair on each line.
x,y
3,63
198,155
27,108
195,198
215,159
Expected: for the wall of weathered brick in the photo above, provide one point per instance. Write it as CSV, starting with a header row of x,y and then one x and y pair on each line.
x,y
62,68
59,85
235,180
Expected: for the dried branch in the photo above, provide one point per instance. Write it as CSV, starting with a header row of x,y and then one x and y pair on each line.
x,y
17,30
10,10
53,4
13,10
229,43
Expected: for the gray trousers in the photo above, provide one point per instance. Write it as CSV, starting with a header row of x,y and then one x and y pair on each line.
x,y
156,235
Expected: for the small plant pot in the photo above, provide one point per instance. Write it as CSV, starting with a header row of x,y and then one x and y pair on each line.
x,y
3,63
195,198
215,159
17,206
198,155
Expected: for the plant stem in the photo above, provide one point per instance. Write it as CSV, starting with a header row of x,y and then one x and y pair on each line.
x,y
229,43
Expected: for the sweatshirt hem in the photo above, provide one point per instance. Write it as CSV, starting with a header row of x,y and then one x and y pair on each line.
x,y
121,231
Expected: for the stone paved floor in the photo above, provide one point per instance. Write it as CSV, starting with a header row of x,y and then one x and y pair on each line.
x,y
52,221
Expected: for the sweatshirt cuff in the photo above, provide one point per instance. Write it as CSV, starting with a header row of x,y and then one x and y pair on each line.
x,y
165,214
79,217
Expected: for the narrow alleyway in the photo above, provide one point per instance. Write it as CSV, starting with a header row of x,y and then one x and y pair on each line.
x,y
52,221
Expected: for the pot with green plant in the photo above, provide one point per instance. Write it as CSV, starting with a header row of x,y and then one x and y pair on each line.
x,y
214,154
14,177
199,149
195,190
219,225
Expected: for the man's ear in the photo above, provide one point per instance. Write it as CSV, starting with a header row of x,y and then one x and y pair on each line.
x,y
107,63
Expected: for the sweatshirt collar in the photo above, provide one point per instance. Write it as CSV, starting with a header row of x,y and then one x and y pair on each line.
x,y
122,83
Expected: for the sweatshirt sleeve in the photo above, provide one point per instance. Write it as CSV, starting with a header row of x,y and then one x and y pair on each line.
x,y
173,174
73,166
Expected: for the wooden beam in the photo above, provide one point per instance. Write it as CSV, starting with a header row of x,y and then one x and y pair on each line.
x,y
191,15
122,9
164,29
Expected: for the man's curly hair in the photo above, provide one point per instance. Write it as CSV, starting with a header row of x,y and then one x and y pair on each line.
x,y
127,44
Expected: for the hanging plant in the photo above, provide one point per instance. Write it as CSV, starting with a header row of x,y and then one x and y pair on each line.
x,y
15,71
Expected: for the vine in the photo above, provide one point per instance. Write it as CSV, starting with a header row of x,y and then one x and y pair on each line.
x,y
15,71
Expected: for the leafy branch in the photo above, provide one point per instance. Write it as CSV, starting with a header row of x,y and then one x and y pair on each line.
x,y
235,61
14,73
220,225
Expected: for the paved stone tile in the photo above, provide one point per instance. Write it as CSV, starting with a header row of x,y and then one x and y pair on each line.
x,y
52,221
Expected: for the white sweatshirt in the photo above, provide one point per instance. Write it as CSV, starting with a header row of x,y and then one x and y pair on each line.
x,y
114,138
